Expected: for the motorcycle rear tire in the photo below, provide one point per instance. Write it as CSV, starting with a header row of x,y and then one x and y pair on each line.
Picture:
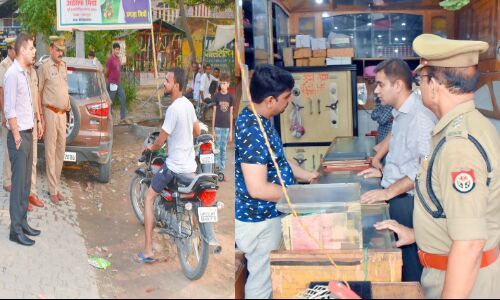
x,y
196,272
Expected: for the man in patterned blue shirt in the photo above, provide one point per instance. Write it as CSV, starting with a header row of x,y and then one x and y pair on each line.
x,y
258,226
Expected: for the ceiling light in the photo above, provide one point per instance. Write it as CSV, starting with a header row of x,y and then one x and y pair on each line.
x,y
319,1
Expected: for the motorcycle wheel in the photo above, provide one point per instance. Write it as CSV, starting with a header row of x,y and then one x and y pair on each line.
x,y
137,194
193,251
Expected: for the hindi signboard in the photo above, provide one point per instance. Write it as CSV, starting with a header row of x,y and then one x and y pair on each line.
x,y
222,58
86,15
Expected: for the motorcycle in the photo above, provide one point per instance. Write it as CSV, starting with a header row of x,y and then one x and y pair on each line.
x,y
186,210
205,154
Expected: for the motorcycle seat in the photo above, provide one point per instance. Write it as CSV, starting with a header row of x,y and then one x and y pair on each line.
x,y
185,179
204,138
197,178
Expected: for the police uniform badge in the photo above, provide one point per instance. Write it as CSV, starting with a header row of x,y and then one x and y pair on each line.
x,y
463,181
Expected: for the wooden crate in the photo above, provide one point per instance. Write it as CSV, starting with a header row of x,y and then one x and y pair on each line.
x,y
397,290
240,275
292,272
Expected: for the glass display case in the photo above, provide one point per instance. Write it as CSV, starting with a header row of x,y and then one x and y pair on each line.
x,y
256,32
377,35
334,218
281,34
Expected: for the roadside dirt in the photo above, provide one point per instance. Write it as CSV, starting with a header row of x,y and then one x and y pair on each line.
x,y
111,230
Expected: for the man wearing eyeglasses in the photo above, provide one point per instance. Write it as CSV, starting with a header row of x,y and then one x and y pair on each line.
x,y
406,146
457,206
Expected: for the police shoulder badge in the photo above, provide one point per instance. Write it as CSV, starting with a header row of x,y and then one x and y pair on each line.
x,y
463,181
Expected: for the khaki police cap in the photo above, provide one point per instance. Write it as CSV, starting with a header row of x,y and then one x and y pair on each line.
x,y
10,41
58,42
440,52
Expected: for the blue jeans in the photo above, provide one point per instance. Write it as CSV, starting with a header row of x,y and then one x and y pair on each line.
x,y
121,95
221,144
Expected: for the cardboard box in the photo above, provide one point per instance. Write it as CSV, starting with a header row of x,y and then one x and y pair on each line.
x,y
319,53
288,57
317,62
302,53
302,62
342,52
303,41
318,44
333,61
261,54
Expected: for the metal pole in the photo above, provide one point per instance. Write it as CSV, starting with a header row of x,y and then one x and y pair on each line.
x,y
80,44
204,43
156,71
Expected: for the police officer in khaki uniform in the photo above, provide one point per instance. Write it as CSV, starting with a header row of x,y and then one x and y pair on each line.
x,y
4,66
37,134
457,206
54,99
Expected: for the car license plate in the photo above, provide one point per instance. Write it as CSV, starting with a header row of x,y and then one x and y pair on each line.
x,y
207,158
208,214
70,156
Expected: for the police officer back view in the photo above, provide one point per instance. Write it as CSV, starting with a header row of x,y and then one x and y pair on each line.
x,y
457,206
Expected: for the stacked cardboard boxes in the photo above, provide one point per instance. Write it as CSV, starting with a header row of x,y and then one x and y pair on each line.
x,y
315,52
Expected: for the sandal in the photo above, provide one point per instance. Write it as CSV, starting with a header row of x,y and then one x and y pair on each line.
x,y
140,258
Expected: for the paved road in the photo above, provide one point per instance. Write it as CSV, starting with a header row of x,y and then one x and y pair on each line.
x,y
56,267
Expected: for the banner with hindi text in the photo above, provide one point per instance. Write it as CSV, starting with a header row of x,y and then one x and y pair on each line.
x,y
87,15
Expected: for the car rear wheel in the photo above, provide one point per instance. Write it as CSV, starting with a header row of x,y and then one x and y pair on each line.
x,y
72,122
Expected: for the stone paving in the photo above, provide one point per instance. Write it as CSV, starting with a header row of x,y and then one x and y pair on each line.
x,y
56,266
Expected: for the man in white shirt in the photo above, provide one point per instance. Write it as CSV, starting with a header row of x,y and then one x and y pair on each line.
x,y
179,128
194,83
407,145
206,81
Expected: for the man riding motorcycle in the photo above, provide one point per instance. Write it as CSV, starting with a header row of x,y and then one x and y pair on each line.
x,y
178,129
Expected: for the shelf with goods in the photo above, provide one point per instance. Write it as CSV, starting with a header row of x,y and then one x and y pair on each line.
x,y
377,35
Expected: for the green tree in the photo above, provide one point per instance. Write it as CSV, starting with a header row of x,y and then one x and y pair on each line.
x,y
181,4
38,16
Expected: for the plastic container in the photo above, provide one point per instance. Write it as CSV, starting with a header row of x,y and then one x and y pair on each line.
x,y
367,184
322,198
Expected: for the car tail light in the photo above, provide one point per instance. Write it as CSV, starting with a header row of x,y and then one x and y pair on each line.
x,y
206,148
208,197
99,109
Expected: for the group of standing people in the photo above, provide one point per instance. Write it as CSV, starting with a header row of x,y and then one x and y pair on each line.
x,y
34,105
205,87
440,175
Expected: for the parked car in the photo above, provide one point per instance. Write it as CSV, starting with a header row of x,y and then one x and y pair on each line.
x,y
89,123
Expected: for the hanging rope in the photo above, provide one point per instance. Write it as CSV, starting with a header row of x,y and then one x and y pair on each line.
x,y
246,90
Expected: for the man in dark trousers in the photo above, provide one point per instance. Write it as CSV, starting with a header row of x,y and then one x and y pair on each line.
x,y
20,122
